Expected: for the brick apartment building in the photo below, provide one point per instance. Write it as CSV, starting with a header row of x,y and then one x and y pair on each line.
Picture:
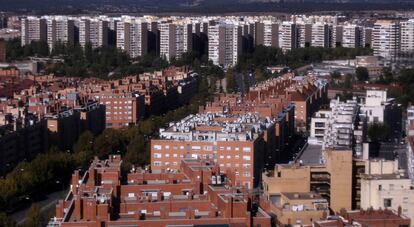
x,y
197,194
234,141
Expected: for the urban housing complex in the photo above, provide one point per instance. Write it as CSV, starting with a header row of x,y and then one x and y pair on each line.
x,y
222,39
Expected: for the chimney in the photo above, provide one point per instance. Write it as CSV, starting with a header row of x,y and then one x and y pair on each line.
x,y
78,208
75,181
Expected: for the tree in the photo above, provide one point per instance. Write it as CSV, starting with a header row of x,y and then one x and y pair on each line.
x,y
336,75
230,81
348,81
6,221
362,74
34,217
259,75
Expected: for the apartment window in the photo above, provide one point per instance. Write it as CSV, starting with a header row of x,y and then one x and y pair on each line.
x,y
167,155
379,187
236,149
246,149
222,148
236,165
228,157
167,147
175,147
157,147
246,174
228,165
236,156
405,200
221,156
157,163
229,148
246,166
157,155
246,157
175,155
208,148
182,147
175,163
387,203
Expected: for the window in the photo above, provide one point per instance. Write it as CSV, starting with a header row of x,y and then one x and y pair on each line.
x,y
387,203
175,155
379,187
236,149
167,155
246,166
221,148
157,155
246,149
157,147
246,174
221,156
167,147
157,163
246,157
236,156
391,187
228,156
229,148
405,200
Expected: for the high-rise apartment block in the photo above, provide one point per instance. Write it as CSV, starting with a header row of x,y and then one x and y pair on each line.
x,y
33,29
288,36
60,30
224,43
93,31
132,37
407,36
175,40
386,37
321,35
351,36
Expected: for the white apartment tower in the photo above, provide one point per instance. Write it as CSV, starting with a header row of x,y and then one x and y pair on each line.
x,y
288,36
351,36
175,39
407,36
132,37
224,44
93,31
386,39
33,29
321,35
60,30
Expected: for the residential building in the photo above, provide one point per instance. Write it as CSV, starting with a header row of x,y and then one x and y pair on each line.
x,y
385,186
93,31
197,194
60,30
224,44
33,29
386,39
132,37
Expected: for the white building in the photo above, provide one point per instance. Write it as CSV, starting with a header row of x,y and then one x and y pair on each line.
x,y
175,39
132,37
385,186
386,39
270,34
224,44
375,105
33,29
93,31
407,36
351,36
341,127
288,36
321,35
60,29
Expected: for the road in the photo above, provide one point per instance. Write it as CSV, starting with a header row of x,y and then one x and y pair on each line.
x,y
45,204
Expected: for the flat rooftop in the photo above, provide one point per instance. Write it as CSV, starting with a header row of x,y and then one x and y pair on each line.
x,y
311,155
